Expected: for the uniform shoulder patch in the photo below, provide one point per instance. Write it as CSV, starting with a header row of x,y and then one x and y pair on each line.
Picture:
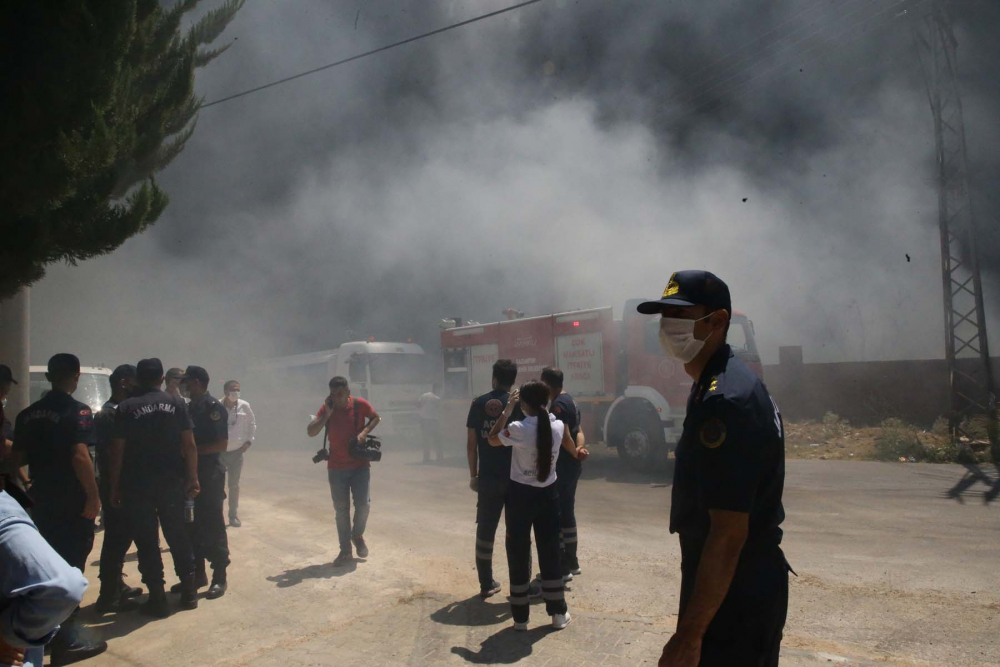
x,y
712,432
216,415
85,412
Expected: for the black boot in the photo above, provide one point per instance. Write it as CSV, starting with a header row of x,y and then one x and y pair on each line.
x,y
129,591
156,605
109,602
189,593
200,578
218,588
71,643
116,598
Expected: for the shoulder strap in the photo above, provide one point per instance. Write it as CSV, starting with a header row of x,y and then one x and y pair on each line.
x,y
354,407
326,431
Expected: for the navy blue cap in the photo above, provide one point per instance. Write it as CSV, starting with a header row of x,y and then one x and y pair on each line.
x,y
6,375
196,373
691,288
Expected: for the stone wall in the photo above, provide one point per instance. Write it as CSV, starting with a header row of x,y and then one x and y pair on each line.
x,y
865,393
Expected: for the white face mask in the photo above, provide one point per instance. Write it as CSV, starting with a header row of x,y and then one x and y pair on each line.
x,y
4,402
677,338
233,395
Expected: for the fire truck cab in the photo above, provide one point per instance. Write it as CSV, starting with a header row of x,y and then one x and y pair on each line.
x,y
631,395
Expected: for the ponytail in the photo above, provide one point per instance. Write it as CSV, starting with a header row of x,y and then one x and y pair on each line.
x,y
536,395
544,438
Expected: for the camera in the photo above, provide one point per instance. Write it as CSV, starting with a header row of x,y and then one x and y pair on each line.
x,y
370,450
321,455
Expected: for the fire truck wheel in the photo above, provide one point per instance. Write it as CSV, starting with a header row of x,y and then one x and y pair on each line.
x,y
640,442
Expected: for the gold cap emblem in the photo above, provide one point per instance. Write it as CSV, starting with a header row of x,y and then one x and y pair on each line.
x,y
672,286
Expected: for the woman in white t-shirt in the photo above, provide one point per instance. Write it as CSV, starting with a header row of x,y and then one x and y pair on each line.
x,y
532,499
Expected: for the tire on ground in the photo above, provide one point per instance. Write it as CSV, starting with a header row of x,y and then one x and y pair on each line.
x,y
637,433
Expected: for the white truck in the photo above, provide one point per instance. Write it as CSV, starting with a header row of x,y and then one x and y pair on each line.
x,y
284,391
94,387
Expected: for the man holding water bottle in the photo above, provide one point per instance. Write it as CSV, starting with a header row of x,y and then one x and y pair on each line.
x,y
211,436
154,469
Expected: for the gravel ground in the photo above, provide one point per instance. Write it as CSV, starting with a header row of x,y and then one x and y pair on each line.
x,y
897,565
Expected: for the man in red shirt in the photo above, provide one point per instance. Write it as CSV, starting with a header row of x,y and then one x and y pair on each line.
x,y
344,417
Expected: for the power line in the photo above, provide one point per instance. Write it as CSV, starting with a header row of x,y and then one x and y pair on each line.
x,y
772,69
758,38
371,53
753,41
785,54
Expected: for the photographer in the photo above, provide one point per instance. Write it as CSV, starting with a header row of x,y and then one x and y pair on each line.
x,y
345,418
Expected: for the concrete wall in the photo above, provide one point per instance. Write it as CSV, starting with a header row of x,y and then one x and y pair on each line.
x,y
864,393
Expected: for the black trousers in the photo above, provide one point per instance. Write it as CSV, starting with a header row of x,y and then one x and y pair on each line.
x,y
208,532
117,539
69,534
747,629
489,507
568,471
159,504
530,507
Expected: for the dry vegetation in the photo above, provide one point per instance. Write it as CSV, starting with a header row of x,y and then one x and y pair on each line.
x,y
894,440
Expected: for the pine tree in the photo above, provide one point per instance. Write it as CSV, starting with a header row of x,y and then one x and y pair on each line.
x,y
99,97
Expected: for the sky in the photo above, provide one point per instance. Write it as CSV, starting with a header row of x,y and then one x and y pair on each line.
x,y
570,154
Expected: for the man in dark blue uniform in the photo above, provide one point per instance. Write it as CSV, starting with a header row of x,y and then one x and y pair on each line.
x,y
211,434
53,436
115,593
489,468
726,497
568,470
13,481
154,469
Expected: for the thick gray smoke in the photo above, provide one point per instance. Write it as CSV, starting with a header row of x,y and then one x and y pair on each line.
x,y
554,158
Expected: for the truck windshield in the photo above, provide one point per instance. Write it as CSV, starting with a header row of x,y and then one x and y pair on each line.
x,y
94,389
740,336
397,368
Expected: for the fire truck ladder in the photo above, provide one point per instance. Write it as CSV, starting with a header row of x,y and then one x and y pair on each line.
x,y
966,345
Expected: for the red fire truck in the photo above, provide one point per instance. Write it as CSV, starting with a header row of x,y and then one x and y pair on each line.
x,y
631,395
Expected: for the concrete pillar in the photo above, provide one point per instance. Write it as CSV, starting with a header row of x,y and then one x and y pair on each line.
x,y
15,327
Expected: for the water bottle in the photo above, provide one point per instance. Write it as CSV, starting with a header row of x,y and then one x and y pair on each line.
x,y
189,510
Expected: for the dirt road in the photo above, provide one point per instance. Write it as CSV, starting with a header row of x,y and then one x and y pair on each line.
x,y
892,571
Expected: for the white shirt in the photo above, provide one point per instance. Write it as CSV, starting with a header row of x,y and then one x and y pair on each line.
x,y
242,424
429,405
523,437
